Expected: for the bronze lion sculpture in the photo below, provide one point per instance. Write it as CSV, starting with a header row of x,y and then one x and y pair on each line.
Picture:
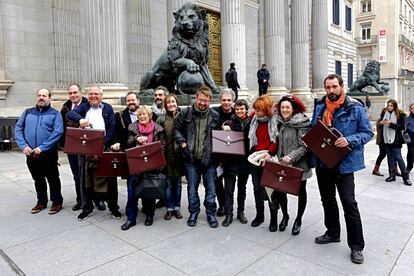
x,y
370,77
186,56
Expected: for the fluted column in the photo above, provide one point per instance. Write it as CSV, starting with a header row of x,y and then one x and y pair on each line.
x,y
300,49
233,38
4,84
172,6
319,45
274,38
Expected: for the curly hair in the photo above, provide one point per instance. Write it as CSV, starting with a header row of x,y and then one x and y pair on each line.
x,y
265,104
297,104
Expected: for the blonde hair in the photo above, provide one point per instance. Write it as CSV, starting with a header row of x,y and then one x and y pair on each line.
x,y
145,109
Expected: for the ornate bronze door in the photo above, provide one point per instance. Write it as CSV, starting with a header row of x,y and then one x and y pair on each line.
x,y
214,33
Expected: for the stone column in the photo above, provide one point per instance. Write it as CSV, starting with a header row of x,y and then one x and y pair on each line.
x,y
4,84
274,39
300,50
172,6
105,45
233,39
319,46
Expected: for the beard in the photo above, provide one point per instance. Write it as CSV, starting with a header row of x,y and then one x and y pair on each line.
x,y
132,107
333,97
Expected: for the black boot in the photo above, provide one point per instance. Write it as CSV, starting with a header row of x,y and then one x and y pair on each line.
x,y
406,179
241,217
296,227
259,219
227,221
273,221
391,178
284,223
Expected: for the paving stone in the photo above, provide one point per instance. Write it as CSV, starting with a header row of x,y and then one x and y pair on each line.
x,y
206,251
84,248
405,263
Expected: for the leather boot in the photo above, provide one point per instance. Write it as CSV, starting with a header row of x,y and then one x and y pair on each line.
x,y
241,217
227,221
391,178
406,179
284,223
259,219
376,171
273,221
296,227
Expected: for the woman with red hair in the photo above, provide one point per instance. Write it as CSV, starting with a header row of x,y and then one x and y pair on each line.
x,y
262,136
292,124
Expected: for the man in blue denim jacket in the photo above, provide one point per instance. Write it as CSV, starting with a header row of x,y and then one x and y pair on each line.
x,y
37,133
349,117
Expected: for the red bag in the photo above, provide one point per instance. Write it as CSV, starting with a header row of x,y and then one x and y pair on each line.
x,y
228,142
112,164
145,158
321,141
282,178
84,141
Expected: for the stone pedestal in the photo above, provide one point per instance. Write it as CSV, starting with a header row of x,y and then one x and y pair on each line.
x,y
4,86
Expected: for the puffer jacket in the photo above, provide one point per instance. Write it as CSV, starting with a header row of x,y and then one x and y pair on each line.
x,y
290,142
185,131
352,121
39,128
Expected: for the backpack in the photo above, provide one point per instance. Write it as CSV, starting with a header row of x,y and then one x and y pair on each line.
x,y
228,77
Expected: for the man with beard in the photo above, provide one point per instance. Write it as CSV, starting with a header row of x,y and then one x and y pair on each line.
x,y
75,99
37,134
98,115
225,111
158,106
193,132
336,110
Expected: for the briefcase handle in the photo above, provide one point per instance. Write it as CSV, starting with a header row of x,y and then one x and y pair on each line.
x,y
336,132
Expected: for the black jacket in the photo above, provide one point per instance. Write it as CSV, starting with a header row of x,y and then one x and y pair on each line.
x,y
399,127
122,121
231,79
67,106
184,132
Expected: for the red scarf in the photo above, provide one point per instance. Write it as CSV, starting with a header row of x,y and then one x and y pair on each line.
x,y
331,107
147,131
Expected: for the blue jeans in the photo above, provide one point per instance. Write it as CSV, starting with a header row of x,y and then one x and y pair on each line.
x,y
173,193
131,208
394,157
194,171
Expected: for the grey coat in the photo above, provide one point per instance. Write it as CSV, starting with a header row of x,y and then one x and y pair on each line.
x,y
290,143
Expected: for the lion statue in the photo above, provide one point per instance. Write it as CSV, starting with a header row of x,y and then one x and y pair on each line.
x,y
186,57
370,77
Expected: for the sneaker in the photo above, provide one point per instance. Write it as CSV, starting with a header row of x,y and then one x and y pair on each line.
x,y
55,209
116,214
357,257
38,208
84,215
77,206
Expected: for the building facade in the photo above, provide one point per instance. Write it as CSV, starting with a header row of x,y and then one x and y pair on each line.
x,y
112,43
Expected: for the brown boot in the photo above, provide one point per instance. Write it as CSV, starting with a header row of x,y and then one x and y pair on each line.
x,y
376,171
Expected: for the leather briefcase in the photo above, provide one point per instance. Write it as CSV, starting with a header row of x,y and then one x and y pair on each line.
x,y
145,158
112,164
321,141
228,142
282,178
83,141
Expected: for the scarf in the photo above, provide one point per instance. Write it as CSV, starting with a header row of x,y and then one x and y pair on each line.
x,y
148,130
387,132
331,107
271,126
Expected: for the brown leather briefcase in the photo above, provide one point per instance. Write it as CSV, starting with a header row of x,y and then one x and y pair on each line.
x,y
282,178
321,141
228,142
145,158
112,164
84,141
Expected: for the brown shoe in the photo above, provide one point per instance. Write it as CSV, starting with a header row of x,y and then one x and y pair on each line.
x,y
37,208
55,209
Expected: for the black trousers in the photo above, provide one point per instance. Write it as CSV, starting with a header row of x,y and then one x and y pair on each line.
x,y
258,190
279,199
382,154
328,180
410,156
229,186
74,167
42,167
220,193
148,207
263,88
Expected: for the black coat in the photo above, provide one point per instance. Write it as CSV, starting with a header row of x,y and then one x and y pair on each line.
x,y
122,121
399,127
185,131
67,106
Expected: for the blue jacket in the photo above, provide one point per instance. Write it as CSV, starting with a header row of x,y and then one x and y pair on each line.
x,y
352,121
108,115
37,128
410,126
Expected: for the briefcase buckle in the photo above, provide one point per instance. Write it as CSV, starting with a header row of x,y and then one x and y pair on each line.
x,y
281,174
115,163
84,138
228,140
327,141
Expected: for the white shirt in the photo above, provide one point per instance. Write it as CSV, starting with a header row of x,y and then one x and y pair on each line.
x,y
94,116
133,116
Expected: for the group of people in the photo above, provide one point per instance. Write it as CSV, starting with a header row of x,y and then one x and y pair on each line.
x,y
392,124
186,138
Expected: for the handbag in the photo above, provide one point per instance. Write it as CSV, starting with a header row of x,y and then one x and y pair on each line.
x,y
84,141
228,142
145,158
406,137
280,177
151,185
321,141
